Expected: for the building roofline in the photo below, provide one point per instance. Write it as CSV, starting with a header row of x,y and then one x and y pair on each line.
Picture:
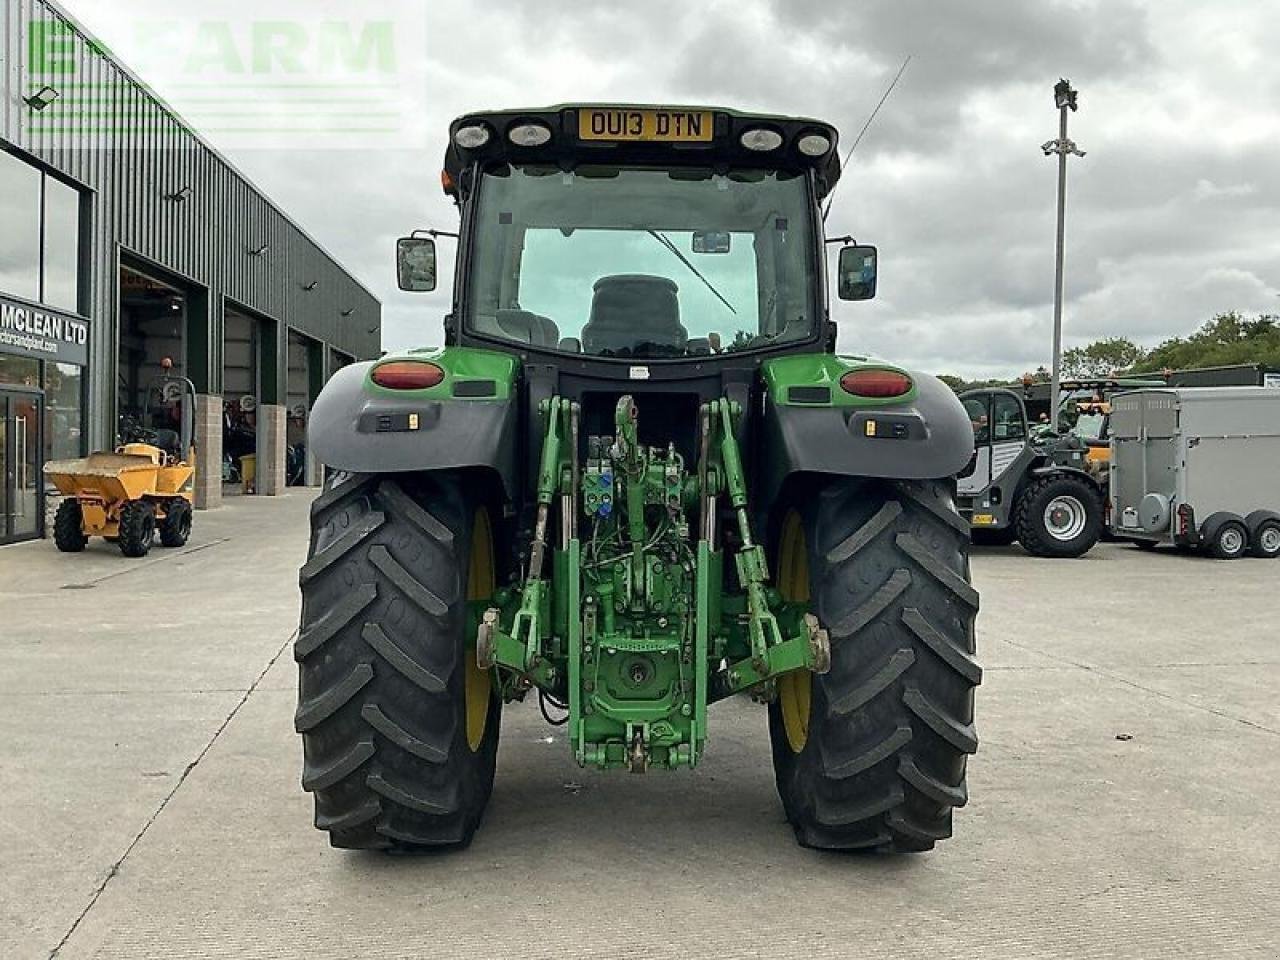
x,y
178,118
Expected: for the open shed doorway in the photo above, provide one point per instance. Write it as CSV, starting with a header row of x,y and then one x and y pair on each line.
x,y
153,330
242,369
306,377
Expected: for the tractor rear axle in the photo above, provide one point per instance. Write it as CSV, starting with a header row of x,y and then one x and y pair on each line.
x,y
640,626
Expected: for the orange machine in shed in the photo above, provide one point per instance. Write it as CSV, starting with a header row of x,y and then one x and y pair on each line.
x,y
143,488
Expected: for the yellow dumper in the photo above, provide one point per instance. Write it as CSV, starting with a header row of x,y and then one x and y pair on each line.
x,y
143,488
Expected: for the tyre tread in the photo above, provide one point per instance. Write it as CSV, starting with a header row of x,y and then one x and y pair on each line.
x,y
891,725
380,652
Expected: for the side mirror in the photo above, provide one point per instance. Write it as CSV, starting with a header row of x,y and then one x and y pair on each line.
x,y
857,273
416,264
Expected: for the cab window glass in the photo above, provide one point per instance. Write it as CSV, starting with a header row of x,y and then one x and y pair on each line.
x,y
1006,419
976,408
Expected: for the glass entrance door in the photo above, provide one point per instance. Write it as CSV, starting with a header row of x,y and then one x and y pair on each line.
x,y
21,463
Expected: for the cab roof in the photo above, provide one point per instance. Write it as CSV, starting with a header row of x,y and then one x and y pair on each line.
x,y
600,133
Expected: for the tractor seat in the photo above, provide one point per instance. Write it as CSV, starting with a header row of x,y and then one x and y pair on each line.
x,y
629,309
169,442
530,328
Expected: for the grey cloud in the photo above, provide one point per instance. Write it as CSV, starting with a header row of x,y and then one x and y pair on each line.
x,y
1172,214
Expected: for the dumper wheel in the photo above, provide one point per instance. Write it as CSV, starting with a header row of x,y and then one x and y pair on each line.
x,y
399,728
175,529
872,754
137,528
1059,516
68,527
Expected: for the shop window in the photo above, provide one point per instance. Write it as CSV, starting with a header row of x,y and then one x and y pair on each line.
x,y
64,411
41,217
61,245
20,239
19,371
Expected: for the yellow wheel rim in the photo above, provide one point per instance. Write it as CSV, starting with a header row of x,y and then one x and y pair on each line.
x,y
795,689
480,584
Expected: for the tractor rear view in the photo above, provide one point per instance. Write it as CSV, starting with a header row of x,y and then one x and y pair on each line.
x,y
635,481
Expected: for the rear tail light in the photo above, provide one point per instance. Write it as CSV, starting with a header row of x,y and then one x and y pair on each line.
x,y
1184,520
407,375
876,383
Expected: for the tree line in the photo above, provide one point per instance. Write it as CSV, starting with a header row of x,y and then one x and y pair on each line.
x,y
1227,339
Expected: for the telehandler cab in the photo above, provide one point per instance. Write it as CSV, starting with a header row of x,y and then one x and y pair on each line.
x,y
637,480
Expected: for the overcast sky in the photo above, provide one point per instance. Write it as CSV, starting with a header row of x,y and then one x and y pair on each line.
x,y
1173,215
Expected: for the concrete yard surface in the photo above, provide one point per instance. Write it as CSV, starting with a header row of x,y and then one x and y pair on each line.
x,y
1124,800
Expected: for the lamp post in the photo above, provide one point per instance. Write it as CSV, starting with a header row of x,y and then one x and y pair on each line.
x,y
1064,98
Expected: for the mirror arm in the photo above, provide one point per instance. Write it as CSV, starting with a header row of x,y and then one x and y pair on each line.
x,y
847,241
434,233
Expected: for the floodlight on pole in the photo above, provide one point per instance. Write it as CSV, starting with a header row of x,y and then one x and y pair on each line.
x,y
1064,99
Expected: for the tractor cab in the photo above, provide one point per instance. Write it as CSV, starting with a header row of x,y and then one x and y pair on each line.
x,y
603,237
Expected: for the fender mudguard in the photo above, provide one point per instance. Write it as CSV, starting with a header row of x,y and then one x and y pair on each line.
x,y
469,419
1256,519
1047,468
812,426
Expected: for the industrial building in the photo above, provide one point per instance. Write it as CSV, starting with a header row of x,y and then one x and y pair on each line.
x,y
136,245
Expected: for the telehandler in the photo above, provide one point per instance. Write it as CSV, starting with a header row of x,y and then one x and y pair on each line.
x,y
637,480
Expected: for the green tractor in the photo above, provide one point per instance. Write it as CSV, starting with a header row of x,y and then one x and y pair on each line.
x,y
637,480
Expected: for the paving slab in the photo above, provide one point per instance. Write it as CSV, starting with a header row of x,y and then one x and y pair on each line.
x,y
114,675
1123,803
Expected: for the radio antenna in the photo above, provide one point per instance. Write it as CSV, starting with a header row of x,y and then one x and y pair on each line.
x,y
865,127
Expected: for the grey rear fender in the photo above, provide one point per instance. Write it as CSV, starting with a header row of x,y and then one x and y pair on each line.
x,y
925,435
361,428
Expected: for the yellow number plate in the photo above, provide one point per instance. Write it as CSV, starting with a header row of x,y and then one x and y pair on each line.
x,y
983,520
654,126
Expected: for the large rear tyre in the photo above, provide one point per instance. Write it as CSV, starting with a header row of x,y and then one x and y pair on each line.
x,y
872,754
1059,516
68,527
399,728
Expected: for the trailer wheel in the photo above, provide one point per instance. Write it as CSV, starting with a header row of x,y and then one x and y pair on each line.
x,y
871,755
68,527
137,528
399,727
1264,539
1229,540
1059,515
